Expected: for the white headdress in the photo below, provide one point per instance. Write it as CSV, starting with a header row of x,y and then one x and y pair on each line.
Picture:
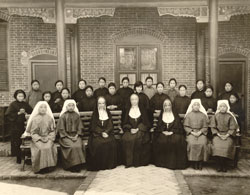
x,y
190,107
167,117
103,115
35,112
66,103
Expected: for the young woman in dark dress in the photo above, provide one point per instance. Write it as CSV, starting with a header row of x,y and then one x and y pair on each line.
x,y
200,89
125,91
227,92
114,101
65,94
79,94
15,115
88,103
102,144
56,96
169,142
102,90
181,101
47,96
157,100
136,139
208,101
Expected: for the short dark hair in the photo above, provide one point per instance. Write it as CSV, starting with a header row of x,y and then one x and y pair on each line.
x,y
83,81
102,78
182,86
209,87
159,83
125,78
149,77
65,88
138,84
19,91
228,82
35,81
201,81
172,79
58,81
46,92
112,84
89,87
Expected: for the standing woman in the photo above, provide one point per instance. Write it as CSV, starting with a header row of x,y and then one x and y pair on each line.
x,y
102,143
208,101
136,140
224,127
16,116
182,101
41,127
228,90
47,96
169,144
172,92
200,89
88,103
196,127
157,100
79,94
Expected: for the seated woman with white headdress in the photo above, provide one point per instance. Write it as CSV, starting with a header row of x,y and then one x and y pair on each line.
x,y
196,127
169,144
223,126
135,141
102,143
41,127
70,128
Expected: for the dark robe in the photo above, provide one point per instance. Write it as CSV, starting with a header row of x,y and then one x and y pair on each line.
x,y
209,103
16,124
125,94
59,105
101,92
237,109
156,102
56,95
102,151
198,94
87,104
79,95
170,151
136,147
70,125
52,105
225,95
114,100
181,104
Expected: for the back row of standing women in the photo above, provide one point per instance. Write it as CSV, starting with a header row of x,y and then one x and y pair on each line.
x,y
137,120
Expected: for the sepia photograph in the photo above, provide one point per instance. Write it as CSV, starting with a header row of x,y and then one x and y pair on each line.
x,y
124,97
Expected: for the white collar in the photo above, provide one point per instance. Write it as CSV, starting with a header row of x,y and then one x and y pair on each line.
x,y
134,112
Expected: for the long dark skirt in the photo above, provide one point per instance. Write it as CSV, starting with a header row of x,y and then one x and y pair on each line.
x,y
170,151
17,130
136,149
72,152
102,153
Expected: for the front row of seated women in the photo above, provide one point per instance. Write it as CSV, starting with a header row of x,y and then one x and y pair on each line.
x,y
173,144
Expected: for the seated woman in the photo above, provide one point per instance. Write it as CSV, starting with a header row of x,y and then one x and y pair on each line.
x,y
224,126
157,100
228,90
65,94
136,140
15,114
102,144
169,144
88,103
70,128
196,127
41,127
79,94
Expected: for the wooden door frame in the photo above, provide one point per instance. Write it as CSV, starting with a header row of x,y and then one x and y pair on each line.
x,y
245,72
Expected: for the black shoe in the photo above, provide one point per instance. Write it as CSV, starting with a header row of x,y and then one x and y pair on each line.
x,y
18,160
200,166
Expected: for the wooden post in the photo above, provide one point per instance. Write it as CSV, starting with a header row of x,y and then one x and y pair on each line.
x,y
61,43
200,52
213,43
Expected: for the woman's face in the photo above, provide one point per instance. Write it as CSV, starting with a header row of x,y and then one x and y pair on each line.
x,y
160,88
149,83
125,83
182,91
196,106
42,109
200,85
65,94
223,108
134,99
70,107
35,86
167,106
101,103
112,90
47,97
228,87
82,85
89,92
20,97
138,89
208,92
232,99
102,83
59,86
172,84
